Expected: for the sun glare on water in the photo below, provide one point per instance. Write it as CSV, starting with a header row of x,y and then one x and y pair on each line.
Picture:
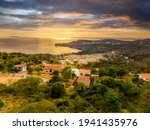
x,y
62,38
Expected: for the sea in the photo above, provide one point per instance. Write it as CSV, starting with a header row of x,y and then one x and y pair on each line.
x,y
34,45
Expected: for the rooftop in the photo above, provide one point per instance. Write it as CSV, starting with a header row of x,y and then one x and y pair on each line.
x,y
85,71
145,75
84,79
53,67
20,65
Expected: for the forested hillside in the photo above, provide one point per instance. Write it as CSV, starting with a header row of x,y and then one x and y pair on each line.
x,y
138,49
115,87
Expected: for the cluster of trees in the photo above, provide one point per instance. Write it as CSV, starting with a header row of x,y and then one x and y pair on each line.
x,y
119,64
112,72
8,60
1,103
103,95
114,89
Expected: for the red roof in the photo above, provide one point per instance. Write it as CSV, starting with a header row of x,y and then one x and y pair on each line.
x,y
145,75
20,65
33,66
53,67
84,79
84,71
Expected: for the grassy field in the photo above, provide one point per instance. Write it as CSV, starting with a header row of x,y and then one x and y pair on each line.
x,y
7,78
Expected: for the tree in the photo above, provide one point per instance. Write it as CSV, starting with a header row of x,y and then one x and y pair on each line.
x,y
112,73
62,104
1,103
27,86
112,101
121,72
1,67
110,82
38,69
137,81
102,72
55,72
54,79
81,105
30,70
57,90
4,55
145,101
37,96
10,67
3,87
79,88
93,71
66,73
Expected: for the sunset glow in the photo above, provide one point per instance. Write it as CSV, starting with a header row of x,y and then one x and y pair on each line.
x,y
63,20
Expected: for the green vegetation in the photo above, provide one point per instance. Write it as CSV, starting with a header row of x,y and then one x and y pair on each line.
x,y
1,103
66,73
57,90
115,87
106,94
8,60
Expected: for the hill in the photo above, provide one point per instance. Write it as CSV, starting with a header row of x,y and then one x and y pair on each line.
x,y
132,49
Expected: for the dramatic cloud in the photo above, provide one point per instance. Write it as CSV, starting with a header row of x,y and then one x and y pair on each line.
x,y
87,14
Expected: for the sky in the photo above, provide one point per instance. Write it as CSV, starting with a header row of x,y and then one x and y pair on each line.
x,y
66,19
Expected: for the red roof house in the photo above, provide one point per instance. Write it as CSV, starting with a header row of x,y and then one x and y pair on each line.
x,y
145,76
85,72
33,67
50,68
21,67
84,79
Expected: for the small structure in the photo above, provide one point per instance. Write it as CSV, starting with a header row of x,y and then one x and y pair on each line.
x,y
21,67
33,67
145,76
51,68
85,72
84,79
81,72
75,71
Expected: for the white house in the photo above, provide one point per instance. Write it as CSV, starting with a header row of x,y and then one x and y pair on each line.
x,y
79,72
75,71
21,67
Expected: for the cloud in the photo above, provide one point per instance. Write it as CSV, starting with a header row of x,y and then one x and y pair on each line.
x,y
106,13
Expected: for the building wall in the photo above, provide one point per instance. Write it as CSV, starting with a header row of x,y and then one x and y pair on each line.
x,y
76,71
46,71
24,68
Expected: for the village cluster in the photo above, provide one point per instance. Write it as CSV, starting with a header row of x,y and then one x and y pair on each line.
x,y
82,74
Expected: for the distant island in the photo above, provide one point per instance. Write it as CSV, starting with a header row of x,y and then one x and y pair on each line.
x,y
130,48
105,45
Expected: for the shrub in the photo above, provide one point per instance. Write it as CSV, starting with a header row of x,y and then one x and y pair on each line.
x,y
57,90
1,103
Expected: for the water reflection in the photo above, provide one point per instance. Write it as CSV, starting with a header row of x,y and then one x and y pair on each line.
x,y
32,45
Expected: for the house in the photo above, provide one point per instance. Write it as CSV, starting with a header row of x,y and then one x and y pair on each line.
x,y
51,68
84,79
82,72
85,72
75,71
33,67
21,67
145,76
